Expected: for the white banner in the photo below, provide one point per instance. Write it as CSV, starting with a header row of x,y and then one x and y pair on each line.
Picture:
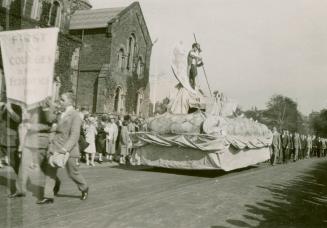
x,y
28,58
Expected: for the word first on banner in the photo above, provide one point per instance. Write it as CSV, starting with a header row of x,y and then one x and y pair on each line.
x,y
28,59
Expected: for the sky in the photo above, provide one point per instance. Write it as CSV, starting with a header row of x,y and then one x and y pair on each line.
x,y
252,49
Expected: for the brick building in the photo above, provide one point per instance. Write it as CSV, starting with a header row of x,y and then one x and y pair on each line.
x,y
114,61
25,14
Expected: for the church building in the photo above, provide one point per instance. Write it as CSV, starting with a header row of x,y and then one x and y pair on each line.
x,y
103,55
115,60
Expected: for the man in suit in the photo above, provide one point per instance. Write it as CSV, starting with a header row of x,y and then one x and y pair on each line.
x,y
276,146
309,146
303,146
65,140
285,146
34,145
297,146
315,146
10,118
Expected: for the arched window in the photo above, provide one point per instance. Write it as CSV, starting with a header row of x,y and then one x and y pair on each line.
x,y
55,15
5,3
139,67
39,12
131,50
121,59
36,10
139,101
118,95
28,7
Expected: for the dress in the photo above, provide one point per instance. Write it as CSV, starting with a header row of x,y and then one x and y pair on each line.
x,y
112,132
101,140
90,133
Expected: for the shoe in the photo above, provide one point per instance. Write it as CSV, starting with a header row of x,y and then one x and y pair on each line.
x,y
56,188
16,195
45,201
85,194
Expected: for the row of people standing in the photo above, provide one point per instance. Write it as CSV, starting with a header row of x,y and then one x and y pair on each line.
x,y
294,146
109,137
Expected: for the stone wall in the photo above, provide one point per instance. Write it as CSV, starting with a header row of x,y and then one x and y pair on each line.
x,y
130,24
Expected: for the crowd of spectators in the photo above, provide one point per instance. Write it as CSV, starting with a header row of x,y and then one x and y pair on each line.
x,y
106,138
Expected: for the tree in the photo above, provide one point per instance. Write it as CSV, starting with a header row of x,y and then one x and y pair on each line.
x,y
282,112
318,123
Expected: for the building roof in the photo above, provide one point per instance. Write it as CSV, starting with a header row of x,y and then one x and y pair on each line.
x,y
97,18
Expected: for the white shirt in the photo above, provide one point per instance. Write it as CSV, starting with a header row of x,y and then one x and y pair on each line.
x,y
68,109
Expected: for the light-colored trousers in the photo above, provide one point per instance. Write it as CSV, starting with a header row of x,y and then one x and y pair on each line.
x,y
73,172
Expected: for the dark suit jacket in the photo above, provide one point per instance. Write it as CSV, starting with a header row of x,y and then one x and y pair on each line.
x,y
67,134
285,141
9,126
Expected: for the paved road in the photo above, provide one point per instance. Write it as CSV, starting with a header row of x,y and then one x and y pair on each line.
x,y
293,195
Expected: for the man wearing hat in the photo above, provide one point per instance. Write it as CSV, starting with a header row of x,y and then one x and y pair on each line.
x,y
194,61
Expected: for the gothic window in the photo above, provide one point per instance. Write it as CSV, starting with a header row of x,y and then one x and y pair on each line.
x,y
36,10
121,59
118,95
131,50
55,14
139,101
75,59
139,68
57,54
28,8
4,3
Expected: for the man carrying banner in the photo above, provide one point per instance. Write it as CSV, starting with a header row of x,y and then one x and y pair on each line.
x,y
34,144
10,118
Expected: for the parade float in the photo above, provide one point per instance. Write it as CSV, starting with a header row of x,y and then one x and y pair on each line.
x,y
212,136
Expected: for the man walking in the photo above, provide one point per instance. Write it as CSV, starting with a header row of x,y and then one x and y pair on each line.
x,y
10,118
285,147
65,140
297,146
276,146
34,146
309,146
